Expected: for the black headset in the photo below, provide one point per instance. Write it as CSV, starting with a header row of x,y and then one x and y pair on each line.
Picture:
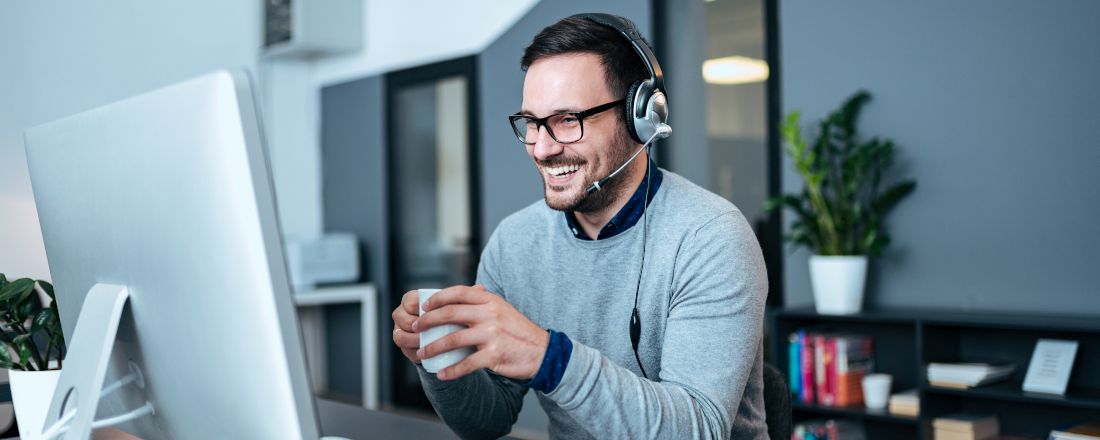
x,y
646,107
646,114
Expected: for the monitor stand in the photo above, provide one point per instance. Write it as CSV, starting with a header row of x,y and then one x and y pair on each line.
x,y
72,411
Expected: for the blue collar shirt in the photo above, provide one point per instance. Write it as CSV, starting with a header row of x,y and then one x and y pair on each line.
x,y
627,216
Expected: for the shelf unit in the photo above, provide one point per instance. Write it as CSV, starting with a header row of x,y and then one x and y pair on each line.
x,y
906,341
311,316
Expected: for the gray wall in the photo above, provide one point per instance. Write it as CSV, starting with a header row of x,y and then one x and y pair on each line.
x,y
994,104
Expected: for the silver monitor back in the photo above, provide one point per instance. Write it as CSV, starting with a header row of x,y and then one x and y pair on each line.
x,y
169,194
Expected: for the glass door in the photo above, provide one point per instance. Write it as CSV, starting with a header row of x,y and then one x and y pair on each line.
x,y
433,204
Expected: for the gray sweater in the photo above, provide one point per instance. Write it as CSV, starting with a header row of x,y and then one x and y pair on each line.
x,y
701,305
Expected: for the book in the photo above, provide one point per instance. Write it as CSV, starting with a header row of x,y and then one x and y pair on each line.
x,y
1084,431
794,364
943,384
906,403
956,435
965,426
807,342
854,359
964,375
827,368
828,364
820,382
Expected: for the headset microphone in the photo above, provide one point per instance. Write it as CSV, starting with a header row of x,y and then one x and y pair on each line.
x,y
662,131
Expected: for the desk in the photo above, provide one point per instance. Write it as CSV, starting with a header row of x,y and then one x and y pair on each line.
x,y
356,422
350,421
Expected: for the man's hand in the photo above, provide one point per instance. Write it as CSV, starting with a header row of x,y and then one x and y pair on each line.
x,y
506,341
403,317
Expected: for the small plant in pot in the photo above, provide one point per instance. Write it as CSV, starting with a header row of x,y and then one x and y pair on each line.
x,y
839,212
32,346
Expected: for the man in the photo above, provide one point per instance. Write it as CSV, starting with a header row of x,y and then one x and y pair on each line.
x,y
559,280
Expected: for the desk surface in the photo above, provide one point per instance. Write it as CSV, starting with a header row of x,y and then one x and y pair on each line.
x,y
356,422
351,421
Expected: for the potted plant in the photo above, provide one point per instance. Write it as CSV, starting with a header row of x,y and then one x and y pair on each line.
x,y
32,347
839,212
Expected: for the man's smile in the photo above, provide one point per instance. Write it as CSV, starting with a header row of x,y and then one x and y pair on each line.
x,y
560,175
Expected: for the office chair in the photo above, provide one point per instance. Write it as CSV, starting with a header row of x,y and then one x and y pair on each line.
x,y
777,404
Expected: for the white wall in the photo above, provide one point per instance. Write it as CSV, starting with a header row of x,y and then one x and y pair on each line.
x,y
397,34
408,33
59,58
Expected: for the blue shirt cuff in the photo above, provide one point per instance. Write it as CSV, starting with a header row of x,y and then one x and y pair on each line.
x,y
558,352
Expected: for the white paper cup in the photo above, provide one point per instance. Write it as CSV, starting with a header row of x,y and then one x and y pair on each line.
x,y
876,390
443,360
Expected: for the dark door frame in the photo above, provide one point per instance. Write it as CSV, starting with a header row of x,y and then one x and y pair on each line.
x,y
394,82
770,233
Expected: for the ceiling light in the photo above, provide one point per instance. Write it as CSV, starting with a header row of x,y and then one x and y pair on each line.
x,y
735,70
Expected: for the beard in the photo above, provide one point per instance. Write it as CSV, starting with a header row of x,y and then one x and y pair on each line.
x,y
621,148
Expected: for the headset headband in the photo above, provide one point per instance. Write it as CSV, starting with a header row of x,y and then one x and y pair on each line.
x,y
635,38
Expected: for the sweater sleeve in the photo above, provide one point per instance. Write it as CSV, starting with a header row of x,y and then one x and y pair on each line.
x,y
481,404
711,341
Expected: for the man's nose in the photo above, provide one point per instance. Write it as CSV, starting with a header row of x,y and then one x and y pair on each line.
x,y
545,145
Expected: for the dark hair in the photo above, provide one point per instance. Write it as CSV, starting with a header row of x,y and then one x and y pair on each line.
x,y
621,63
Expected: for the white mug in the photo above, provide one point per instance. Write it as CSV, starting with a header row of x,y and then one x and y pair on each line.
x,y
876,390
442,360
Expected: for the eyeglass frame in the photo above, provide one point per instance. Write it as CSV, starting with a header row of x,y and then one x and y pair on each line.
x,y
542,122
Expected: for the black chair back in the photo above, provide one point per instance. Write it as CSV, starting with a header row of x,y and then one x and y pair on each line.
x,y
777,404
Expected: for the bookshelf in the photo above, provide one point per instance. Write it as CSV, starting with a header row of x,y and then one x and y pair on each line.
x,y
906,341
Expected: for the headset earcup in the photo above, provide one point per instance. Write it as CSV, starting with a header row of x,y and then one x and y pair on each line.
x,y
628,111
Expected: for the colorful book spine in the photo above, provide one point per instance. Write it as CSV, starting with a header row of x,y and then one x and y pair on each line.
x,y
853,361
794,364
828,396
819,368
807,370
827,368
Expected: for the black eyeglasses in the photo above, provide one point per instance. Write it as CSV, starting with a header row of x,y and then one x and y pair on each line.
x,y
565,128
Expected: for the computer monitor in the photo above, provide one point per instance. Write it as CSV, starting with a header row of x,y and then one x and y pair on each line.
x,y
167,197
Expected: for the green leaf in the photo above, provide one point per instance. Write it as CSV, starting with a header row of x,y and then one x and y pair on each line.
x,y
16,289
42,320
22,312
892,196
23,344
772,204
48,288
879,244
56,326
5,357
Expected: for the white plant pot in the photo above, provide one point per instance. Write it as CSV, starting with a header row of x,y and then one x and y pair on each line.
x,y
31,392
838,282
